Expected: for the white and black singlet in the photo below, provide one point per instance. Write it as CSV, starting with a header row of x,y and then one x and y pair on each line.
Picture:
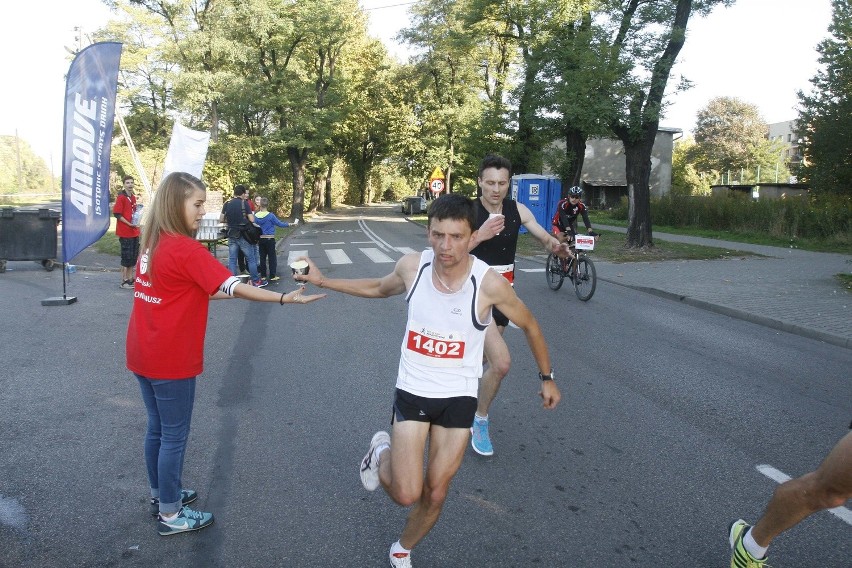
x,y
444,338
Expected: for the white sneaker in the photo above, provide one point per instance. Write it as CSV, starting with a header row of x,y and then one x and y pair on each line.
x,y
370,463
399,559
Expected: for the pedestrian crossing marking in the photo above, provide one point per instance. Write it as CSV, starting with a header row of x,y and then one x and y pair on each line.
x,y
376,255
337,256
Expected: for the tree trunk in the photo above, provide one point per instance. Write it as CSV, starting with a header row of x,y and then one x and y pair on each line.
x,y
316,191
575,155
327,201
298,158
638,159
448,188
527,146
644,116
214,121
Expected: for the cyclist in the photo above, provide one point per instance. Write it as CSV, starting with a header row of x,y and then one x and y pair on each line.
x,y
565,219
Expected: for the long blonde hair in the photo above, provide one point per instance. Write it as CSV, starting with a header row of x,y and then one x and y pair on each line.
x,y
167,212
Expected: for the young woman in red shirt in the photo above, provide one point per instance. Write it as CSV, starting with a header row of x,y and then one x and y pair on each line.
x,y
176,279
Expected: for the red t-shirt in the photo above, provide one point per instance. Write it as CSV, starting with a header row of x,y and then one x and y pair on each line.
x,y
126,207
165,335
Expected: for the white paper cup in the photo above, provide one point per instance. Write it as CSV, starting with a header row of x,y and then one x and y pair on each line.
x,y
299,266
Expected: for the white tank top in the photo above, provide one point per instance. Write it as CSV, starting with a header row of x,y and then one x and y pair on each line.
x,y
444,339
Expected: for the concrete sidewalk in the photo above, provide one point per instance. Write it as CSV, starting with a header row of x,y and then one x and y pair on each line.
x,y
787,289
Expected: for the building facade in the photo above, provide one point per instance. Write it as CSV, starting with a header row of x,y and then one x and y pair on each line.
x,y
604,177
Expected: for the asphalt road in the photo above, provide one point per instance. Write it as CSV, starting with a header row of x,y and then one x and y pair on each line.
x,y
666,412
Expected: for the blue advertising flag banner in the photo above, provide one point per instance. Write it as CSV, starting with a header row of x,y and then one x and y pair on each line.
x,y
89,114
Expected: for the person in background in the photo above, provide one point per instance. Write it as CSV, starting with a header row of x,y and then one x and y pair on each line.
x,y
236,213
266,247
450,295
254,204
498,222
126,230
828,487
176,279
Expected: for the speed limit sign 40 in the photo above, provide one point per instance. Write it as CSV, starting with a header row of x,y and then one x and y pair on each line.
x,y
437,185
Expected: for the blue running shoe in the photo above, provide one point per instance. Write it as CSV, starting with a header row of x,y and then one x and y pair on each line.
x,y
185,521
480,440
187,496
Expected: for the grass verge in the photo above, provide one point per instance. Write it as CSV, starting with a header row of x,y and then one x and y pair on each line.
x,y
610,247
600,217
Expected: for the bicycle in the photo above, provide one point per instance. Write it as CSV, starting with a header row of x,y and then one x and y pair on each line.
x,y
580,269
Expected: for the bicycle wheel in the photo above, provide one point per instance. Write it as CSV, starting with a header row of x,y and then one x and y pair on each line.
x,y
553,272
586,279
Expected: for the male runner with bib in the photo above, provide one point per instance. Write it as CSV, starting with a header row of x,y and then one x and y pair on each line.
x,y
450,296
498,220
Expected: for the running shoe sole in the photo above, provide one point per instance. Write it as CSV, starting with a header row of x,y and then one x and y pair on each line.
x,y
369,476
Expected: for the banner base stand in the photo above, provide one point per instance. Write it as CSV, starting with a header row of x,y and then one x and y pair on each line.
x,y
59,301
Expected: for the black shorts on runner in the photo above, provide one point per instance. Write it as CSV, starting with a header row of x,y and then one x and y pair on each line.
x,y
499,318
129,250
453,412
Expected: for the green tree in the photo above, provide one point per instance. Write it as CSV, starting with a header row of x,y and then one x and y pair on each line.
x,y
577,81
648,38
21,170
379,121
686,180
730,135
449,104
825,118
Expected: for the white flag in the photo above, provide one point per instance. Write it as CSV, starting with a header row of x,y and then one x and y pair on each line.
x,y
187,151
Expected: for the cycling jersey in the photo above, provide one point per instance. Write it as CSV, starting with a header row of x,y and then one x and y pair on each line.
x,y
565,218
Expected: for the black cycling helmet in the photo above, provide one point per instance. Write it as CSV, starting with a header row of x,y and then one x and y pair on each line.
x,y
575,191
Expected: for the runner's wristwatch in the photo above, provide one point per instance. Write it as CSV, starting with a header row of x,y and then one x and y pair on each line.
x,y
547,377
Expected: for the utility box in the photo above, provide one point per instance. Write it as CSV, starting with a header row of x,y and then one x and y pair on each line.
x,y
28,234
540,194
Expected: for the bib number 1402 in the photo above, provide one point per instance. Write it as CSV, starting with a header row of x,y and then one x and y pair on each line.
x,y
431,347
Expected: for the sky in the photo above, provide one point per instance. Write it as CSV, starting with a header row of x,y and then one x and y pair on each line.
x,y
760,51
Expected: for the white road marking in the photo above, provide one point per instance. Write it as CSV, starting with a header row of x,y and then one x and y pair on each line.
x,y
376,255
337,256
337,243
405,250
531,269
841,513
373,236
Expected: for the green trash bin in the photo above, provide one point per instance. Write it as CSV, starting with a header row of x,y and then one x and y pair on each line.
x,y
28,234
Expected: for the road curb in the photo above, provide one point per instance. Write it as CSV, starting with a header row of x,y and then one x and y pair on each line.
x,y
728,311
740,314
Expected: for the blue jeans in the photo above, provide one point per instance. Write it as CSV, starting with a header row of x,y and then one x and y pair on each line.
x,y
236,244
169,405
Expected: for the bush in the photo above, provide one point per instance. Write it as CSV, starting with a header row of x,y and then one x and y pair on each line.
x,y
821,216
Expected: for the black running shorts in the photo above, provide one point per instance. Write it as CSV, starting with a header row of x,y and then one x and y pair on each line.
x,y
454,412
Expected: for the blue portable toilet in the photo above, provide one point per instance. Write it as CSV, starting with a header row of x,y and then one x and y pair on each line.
x,y
539,193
